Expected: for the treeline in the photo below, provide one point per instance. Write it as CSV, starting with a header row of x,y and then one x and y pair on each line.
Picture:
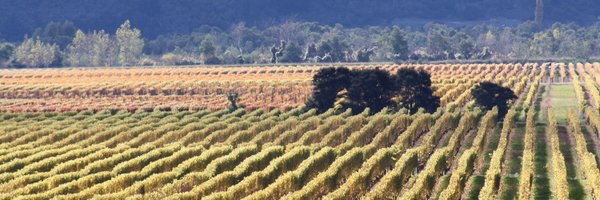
x,y
408,90
63,44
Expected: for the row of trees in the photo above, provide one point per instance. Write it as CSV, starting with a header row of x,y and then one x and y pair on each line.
x,y
295,42
374,89
97,48
407,89
311,42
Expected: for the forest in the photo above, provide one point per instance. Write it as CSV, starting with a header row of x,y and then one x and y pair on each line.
x,y
62,44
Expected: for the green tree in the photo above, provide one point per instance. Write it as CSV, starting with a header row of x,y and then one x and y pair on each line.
x,y
60,34
438,40
570,43
7,51
464,45
208,51
332,50
399,44
544,44
130,44
291,54
36,53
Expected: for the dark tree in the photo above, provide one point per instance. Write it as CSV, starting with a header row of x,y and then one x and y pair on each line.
x,y
364,55
332,50
399,45
240,59
438,41
489,95
466,48
213,60
372,88
208,51
60,34
464,45
485,54
414,90
6,53
282,46
291,54
274,54
207,47
327,83
234,98
311,53
324,52
277,51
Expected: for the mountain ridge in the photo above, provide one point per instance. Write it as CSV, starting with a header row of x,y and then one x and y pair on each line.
x,y
156,17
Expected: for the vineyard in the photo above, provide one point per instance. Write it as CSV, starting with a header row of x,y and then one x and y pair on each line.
x,y
166,133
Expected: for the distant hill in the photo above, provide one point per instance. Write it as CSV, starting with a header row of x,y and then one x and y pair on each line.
x,y
155,17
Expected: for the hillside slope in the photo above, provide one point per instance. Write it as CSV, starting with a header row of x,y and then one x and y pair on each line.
x,y
156,17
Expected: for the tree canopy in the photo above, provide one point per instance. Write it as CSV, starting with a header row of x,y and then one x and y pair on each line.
x,y
292,53
130,44
374,89
35,53
414,90
6,53
399,44
489,95
327,83
207,51
371,88
309,42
